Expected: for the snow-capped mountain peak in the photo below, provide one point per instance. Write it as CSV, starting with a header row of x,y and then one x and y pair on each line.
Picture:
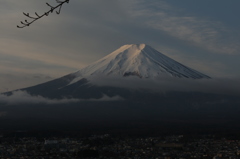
x,y
151,71
138,60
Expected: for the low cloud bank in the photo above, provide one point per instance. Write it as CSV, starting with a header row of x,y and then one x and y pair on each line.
x,y
164,84
22,97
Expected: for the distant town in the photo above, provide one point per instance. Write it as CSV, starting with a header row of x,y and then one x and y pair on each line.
x,y
113,147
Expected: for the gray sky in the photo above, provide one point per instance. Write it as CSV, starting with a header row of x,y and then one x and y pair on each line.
x,y
203,35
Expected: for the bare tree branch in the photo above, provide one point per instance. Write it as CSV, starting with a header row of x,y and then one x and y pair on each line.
x,y
37,16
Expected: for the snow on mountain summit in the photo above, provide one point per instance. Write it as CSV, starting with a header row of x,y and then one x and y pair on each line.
x,y
138,60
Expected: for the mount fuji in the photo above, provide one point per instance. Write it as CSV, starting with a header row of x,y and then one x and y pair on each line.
x,y
130,65
133,87
139,60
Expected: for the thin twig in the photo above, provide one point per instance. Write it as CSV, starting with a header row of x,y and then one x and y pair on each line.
x,y
37,16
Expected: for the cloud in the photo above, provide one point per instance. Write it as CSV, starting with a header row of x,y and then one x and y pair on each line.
x,y
22,97
158,85
166,83
205,33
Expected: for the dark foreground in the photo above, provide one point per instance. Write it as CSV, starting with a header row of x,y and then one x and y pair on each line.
x,y
23,145
147,114
164,128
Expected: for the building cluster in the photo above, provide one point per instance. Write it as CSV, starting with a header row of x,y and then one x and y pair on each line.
x,y
107,146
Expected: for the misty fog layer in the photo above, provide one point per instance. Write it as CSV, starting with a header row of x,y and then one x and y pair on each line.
x,y
22,97
160,85
166,83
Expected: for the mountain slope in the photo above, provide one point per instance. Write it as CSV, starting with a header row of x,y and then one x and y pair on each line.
x,y
139,60
148,67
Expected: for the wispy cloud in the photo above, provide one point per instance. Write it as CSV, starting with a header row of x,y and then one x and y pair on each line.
x,y
166,83
202,32
22,97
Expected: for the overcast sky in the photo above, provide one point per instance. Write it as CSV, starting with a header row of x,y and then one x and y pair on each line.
x,y
203,35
